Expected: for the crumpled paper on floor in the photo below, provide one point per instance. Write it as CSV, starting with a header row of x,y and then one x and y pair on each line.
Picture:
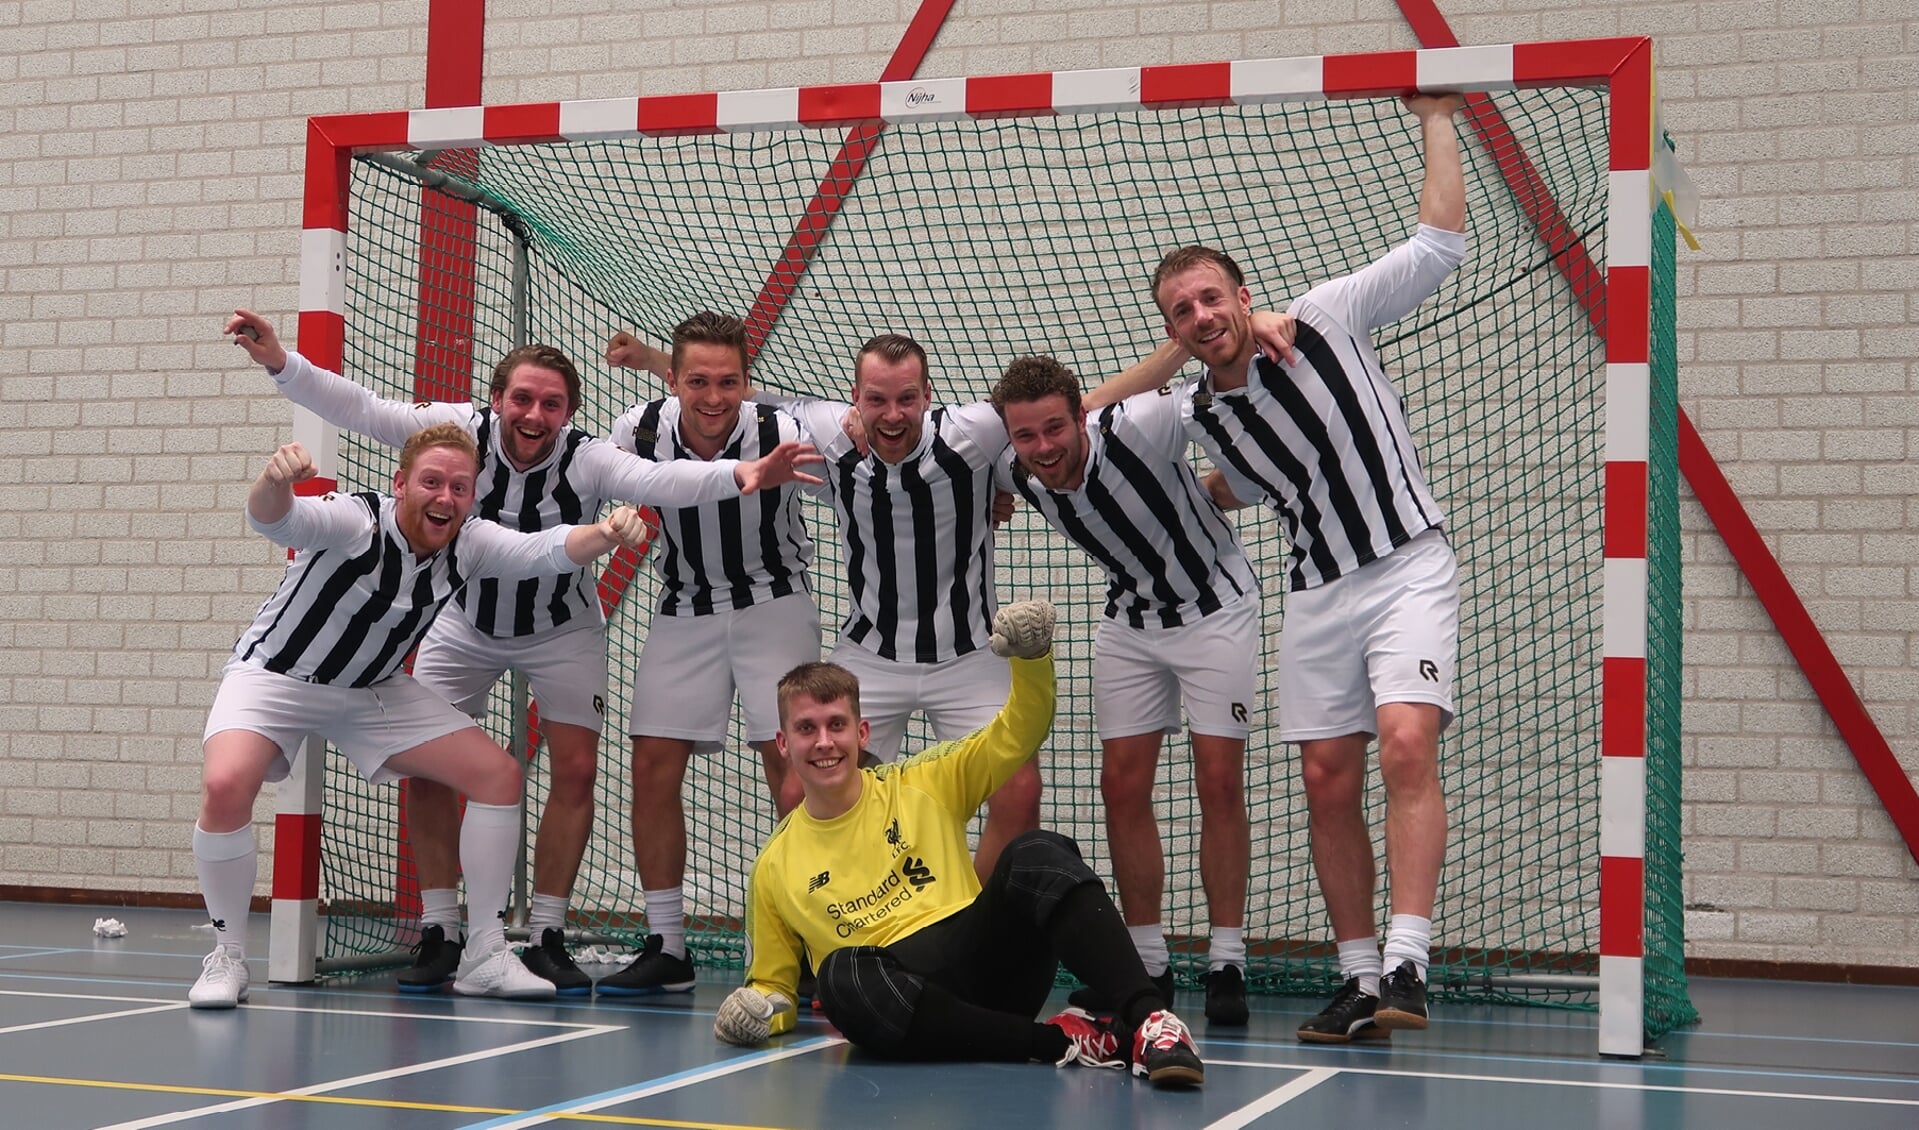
x,y
109,928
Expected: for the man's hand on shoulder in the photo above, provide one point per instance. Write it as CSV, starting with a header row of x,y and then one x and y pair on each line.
x,y
746,1017
1024,630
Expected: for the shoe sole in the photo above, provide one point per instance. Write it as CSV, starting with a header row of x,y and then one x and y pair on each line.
x,y
1399,1020
585,990
406,988
649,991
216,1006
1370,1034
1176,1076
506,994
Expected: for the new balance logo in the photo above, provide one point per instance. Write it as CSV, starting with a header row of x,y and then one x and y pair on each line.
x,y
916,872
1428,670
818,881
1239,712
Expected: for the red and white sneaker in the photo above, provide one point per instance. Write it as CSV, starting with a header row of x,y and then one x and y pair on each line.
x,y
1164,1052
1094,1043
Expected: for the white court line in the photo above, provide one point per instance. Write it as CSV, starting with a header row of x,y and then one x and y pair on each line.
x,y
1593,1084
1273,1100
170,1006
378,1013
363,1080
658,1086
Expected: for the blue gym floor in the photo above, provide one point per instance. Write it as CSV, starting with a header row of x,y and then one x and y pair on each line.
x,y
96,1033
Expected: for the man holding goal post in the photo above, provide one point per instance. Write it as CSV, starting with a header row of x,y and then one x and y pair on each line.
x,y
1372,607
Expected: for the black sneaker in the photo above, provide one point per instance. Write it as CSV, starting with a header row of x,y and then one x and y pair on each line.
x,y
436,958
653,971
1348,1018
1225,996
1092,1000
1402,999
550,960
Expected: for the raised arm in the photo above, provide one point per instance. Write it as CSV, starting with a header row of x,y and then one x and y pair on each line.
x,y
332,397
1146,374
1442,198
271,496
630,352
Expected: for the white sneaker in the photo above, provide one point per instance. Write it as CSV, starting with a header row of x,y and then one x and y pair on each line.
x,y
223,980
501,974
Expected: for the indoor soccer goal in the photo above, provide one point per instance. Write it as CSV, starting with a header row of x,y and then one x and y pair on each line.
x,y
999,216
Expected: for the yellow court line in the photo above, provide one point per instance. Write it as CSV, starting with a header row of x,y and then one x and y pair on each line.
x,y
386,1104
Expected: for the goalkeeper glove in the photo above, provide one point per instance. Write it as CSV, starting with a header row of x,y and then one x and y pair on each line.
x,y
1023,630
746,1016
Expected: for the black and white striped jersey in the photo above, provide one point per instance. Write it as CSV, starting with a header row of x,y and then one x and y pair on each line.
x,y
1325,441
735,552
916,536
1171,557
579,476
355,600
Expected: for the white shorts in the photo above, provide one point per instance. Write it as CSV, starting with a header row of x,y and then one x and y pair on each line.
x,y
565,669
368,724
1388,632
1140,675
957,696
684,683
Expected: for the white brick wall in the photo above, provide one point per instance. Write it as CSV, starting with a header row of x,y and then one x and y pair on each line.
x,y
150,167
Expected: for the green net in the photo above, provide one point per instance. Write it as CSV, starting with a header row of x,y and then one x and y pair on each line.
x,y
1666,1004
989,239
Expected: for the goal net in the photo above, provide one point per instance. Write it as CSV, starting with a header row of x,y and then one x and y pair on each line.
x,y
990,235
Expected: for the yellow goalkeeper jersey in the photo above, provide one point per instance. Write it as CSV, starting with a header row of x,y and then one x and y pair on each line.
x,y
897,860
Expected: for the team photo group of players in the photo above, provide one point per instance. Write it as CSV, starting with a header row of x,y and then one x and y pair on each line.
x,y
866,901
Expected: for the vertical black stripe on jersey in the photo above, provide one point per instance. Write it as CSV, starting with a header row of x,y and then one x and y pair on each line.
x,y
924,549
1141,479
568,595
339,583
365,617
772,501
858,627
403,635
1319,353
489,506
313,569
1119,582
733,539
1427,521
971,513
1268,442
526,593
1339,491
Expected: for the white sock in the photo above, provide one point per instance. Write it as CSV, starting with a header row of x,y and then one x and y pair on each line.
x,y
1150,941
440,906
548,912
1228,947
666,916
228,866
489,839
1409,938
1360,958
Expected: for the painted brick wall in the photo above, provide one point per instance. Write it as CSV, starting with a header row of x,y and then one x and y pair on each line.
x,y
150,156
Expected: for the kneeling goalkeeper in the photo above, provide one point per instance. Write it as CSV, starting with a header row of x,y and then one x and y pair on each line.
x,y
871,878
